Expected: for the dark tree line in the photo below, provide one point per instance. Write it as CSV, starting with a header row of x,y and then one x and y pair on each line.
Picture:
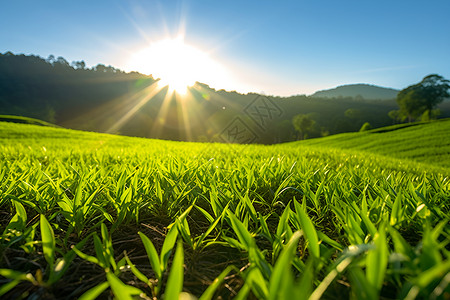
x,y
97,99
54,90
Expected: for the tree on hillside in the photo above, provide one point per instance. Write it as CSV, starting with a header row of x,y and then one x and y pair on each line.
x,y
419,98
430,114
396,116
366,126
303,124
353,114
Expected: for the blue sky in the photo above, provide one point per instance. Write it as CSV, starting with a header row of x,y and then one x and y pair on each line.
x,y
280,48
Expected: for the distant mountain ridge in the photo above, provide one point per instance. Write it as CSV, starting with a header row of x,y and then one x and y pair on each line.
x,y
365,91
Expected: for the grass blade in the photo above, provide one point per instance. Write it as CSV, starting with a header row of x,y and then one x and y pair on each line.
x,y
100,252
361,288
48,241
257,283
121,290
364,214
19,220
135,271
16,277
152,254
169,243
94,292
309,230
282,270
377,260
209,293
242,233
62,264
175,280
8,286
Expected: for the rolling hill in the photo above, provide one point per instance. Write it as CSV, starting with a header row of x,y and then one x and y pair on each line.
x,y
364,91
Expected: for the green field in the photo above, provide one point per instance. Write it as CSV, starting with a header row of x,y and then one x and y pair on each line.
x,y
94,215
427,142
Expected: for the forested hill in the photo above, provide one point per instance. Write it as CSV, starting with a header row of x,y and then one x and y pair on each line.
x,y
54,90
106,99
361,91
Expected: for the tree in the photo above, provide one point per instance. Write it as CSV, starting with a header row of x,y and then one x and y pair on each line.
x,y
395,115
62,62
79,65
51,59
366,126
303,124
100,68
416,99
430,115
353,113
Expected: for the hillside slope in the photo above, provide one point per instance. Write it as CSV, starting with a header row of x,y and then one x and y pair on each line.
x,y
25,120
421,142
392,150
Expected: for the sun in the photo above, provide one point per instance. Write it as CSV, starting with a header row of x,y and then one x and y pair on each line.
x,y
177,64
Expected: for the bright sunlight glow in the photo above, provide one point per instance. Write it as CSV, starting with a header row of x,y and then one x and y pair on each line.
x,y
177,64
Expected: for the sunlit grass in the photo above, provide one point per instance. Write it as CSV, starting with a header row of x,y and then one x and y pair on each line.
x,y
88,215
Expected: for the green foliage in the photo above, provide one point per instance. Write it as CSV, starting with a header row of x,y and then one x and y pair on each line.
x,y
99,216
353,114
416,99
303,124
366,126
429,115
175,280
396,116
122,291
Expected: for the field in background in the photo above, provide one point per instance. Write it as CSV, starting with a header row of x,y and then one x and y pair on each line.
x,y
422,142
87,214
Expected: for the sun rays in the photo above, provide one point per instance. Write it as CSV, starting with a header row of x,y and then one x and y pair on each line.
x,y
176,100
167,112
177,64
